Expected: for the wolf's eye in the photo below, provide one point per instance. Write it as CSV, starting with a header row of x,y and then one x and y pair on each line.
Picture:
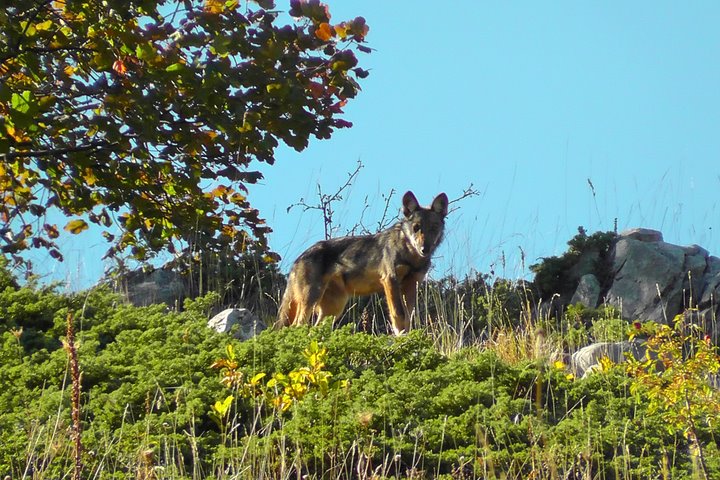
x,y
416,227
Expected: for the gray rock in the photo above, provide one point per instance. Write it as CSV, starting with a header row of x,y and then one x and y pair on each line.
x,y
249,324
588,291
642,235
711,283
587,359
693,275
641,271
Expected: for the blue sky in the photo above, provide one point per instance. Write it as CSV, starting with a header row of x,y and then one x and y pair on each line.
x,y
531,103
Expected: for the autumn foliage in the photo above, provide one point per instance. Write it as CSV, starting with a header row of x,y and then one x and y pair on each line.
x,y
146,117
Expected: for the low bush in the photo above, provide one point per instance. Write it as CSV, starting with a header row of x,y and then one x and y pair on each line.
x,y
359,405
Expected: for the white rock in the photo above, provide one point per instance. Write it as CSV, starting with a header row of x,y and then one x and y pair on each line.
x,y
249,324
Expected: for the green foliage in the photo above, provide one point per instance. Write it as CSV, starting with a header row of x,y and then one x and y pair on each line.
x,y
282,390
148,115
407,409
152,406
504,302
555,275
680,393
583,325
145,376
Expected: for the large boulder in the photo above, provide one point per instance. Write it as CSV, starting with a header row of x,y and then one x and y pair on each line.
x,y
646,278
643,234
655,280
587,359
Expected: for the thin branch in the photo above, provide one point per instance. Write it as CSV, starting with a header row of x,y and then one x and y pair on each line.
x,y
59,49
384,222
15,50
56,151
326,201
467,193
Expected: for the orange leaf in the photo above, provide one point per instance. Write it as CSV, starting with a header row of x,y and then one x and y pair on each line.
x,y
16,134
324,32
119,67
214,6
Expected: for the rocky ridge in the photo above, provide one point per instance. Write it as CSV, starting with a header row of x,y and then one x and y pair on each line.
x,y
654,280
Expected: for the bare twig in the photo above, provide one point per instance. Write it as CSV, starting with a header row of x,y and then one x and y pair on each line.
x,y
326,201
467,193
384,221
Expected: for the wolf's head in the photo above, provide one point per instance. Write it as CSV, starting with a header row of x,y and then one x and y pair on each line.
x,y
424,227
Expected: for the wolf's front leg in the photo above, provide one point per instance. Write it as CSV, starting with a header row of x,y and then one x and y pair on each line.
x,y
409,293
396,305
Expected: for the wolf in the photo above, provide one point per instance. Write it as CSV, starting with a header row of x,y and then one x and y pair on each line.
x,y
393,261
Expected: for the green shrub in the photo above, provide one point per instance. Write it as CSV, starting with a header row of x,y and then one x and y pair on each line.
x,y
400,408
556,275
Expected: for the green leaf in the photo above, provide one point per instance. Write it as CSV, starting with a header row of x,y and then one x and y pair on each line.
x,y
44,25
221,45
145,51
257,377
21,103
222,408
175,67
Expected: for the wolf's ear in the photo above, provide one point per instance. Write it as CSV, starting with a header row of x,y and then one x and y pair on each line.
x,y
410,203
440,204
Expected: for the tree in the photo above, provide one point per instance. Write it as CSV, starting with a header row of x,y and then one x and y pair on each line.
x,y
145,116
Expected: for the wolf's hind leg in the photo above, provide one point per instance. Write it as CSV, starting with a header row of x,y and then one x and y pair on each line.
x,y
333,301
309,296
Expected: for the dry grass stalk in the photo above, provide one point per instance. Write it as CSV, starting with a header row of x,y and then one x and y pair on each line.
x,y
71,350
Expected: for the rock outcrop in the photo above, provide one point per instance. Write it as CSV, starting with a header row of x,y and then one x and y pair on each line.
x,y
651,279
588,291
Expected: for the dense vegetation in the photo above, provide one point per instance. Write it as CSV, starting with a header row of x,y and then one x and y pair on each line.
x,y
321,402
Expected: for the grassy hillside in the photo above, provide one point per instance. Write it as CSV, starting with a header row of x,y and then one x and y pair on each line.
x,y
322,402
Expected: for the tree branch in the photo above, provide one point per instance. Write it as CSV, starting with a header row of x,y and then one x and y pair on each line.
x,y
15,50
59,49
55,151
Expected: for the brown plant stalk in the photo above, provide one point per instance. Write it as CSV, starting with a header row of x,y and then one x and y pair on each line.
x,y
71,350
